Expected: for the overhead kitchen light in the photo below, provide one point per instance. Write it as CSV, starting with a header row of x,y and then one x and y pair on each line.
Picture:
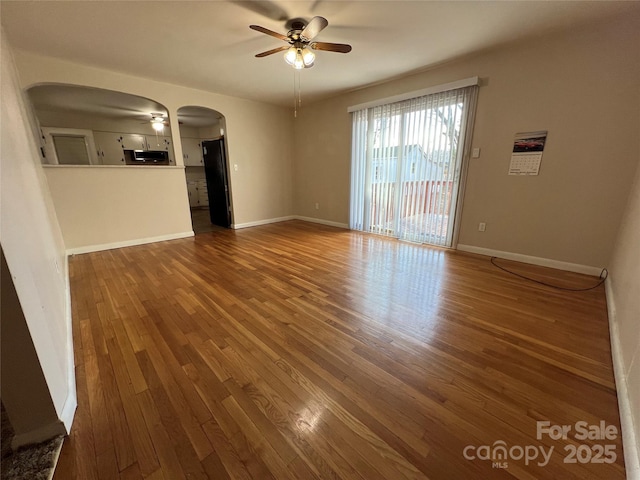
x,y
157,123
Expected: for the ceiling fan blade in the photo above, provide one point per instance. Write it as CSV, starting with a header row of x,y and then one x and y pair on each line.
x,y
258,28
271,52
331,47
265,8
314,27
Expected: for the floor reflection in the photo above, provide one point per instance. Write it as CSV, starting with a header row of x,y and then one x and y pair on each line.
x,y
309,418
396,283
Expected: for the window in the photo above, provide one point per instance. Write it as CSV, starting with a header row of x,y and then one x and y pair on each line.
x,y
69,146
71,149
407,165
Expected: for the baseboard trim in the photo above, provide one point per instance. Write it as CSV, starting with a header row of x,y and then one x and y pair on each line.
x,y
38,435
70,406
629,440
322,222
257,223
267,221
128,243
71,402
543,262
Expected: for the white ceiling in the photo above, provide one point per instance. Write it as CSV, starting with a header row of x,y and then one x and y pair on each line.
x,y
208,44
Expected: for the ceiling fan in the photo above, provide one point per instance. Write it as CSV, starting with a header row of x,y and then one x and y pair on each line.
x,y
159,121
300,42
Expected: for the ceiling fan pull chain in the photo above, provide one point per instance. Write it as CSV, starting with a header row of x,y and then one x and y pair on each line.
x,y
299,91
295,97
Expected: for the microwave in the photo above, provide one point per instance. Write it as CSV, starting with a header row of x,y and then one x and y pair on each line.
x,y
146,157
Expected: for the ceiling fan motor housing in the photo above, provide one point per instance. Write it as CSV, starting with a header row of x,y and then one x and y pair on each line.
x,y
295,24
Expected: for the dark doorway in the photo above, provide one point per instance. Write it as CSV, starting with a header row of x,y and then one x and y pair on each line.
x,y
215,167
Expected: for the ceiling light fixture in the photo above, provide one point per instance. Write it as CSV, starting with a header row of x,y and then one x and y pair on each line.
x,y
308,57
291,55
299,56
299,52
157,123
300,38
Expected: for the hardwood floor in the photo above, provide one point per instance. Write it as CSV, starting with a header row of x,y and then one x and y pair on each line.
x,y
296,350
201,221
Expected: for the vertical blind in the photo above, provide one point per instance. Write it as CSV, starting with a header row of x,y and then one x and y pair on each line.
x,y
406,164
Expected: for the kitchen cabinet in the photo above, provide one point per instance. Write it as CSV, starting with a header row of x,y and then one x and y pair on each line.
x,y
160,142
203,193
193,194
198,194
192,152
109,147
133,141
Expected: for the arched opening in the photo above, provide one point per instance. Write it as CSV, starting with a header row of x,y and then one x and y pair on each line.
x,y
113,178
92,126
204,152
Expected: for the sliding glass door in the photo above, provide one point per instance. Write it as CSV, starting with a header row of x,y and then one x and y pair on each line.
x,y
407,164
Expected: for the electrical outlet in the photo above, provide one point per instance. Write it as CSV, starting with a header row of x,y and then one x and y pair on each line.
x,y
317,206
482,227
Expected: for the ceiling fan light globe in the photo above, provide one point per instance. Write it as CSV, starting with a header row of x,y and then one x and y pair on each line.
x,y
298,63
290,55
308,57
157,126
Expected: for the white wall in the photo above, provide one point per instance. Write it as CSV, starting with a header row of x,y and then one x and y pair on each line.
x,y
257,134
33,245
209,133
103,220
580,85
101,207
624,307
